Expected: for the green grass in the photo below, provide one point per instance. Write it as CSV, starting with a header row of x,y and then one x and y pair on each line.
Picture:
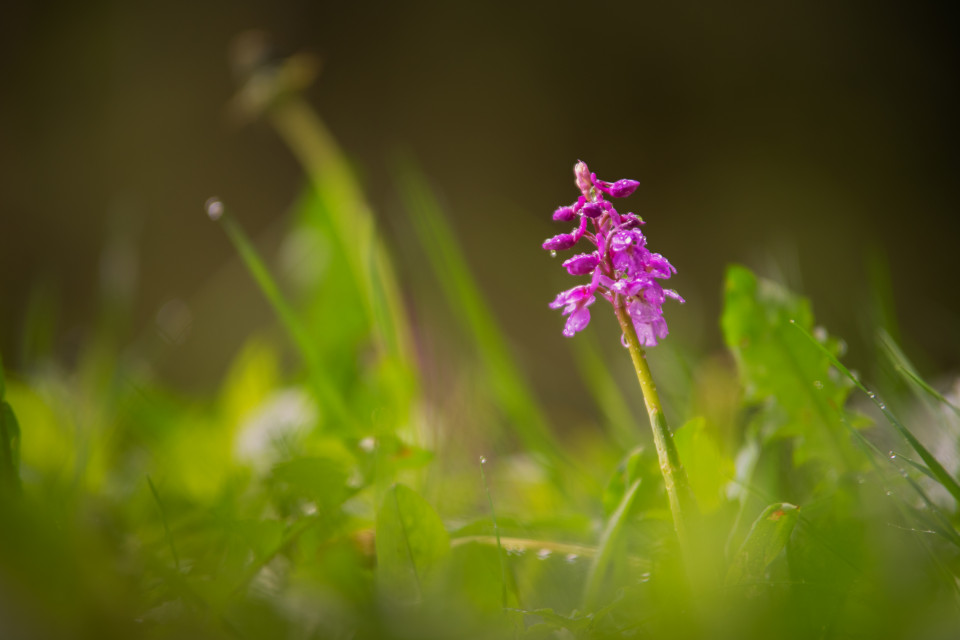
x,y
310,503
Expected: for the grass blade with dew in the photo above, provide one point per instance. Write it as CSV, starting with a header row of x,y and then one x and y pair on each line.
x,y
322,385
942,475
501,554
948,531
463,294
906,368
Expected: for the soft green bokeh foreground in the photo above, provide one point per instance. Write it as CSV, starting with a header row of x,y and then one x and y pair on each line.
x,y
325,492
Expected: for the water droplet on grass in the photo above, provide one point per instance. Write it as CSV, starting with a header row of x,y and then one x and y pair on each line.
x,y
553,254
645,576
483,459
214,208
571,558
818,384
543,554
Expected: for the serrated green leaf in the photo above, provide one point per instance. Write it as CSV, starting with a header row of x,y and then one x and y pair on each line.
x,y
767,538
411,543
776,361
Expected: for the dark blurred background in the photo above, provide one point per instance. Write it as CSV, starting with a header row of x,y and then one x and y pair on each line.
x,y
808,140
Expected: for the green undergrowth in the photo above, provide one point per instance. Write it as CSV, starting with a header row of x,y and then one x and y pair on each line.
x,y
343,497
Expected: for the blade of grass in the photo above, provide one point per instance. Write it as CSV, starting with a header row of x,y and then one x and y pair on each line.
x,y
941,474
272,88
320,381
605,392
496,531
511,389
948,531
608,542
369,264
906,368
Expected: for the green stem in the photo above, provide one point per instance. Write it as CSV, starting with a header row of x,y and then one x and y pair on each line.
x,y
682,504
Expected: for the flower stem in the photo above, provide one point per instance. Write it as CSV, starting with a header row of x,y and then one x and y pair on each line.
x,y
682,503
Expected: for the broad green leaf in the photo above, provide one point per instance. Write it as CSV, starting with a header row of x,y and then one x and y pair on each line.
x,y
767,538
708,470
321,480
411,543
776,361
639,464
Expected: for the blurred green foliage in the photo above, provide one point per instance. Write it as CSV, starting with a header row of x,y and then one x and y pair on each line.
x,y
327,495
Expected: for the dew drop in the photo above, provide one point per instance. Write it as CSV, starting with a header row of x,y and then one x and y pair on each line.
x,y
872,395
889,493
893,456
483,459
553,254
516,551
818,384
214,208
882,406
841,347
543,554
645,576
571,558
368,444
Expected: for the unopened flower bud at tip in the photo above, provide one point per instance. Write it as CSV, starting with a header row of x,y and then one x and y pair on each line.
x,y
582,173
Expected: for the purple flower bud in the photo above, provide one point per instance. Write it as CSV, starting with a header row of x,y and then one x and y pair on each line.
x,y
582,174
582,264
559,242
592,210
564,214
620,188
